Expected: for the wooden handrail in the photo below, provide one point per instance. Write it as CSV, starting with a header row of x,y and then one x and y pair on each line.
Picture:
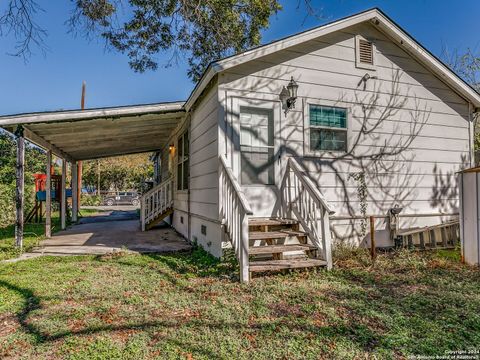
x,y
312,189
234,210
153,189
156,201
236,185
302,200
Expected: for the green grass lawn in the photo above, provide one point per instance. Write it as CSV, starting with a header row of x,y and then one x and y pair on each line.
x,y
189,306
33,234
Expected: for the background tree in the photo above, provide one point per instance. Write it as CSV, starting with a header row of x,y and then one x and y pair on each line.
x,y
35,160
467,66
118,173
200,30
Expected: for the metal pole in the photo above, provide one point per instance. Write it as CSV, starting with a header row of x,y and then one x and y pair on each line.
x,y
79,163
74,192
63,197
19,193
48,197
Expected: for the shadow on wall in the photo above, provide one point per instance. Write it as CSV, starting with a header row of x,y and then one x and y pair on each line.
x,y
385,121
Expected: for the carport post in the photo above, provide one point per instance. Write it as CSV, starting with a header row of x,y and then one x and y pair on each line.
x,y
48,197
20,176
63,197
74,192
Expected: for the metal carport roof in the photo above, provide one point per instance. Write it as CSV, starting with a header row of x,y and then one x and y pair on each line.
x,y
96,133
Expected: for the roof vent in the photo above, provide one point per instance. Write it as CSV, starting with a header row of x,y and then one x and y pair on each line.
x,y
365,52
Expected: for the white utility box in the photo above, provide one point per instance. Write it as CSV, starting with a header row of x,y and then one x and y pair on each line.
x,y
469,191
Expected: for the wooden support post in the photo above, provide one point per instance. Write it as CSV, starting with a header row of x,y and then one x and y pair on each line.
x,y
74,192
79,185
19,194
63,197
373,252
48,197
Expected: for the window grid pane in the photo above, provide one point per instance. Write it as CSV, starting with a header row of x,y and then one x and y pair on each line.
x,y
333,122
323,139
328,116
182,162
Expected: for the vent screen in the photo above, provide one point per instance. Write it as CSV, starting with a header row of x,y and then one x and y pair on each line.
x,y
365,52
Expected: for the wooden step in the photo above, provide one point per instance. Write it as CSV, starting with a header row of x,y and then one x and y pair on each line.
x,y
281,234
271,222
275,265
278,249
158,219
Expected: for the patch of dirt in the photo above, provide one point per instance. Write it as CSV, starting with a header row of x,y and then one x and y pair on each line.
x,y
8,324
282,309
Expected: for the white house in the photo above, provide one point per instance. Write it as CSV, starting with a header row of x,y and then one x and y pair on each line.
x,y
274,141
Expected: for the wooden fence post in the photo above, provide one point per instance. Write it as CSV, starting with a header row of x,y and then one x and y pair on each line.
x,y
19,193
373,252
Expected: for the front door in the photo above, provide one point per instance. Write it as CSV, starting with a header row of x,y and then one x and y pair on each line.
x,y
257,159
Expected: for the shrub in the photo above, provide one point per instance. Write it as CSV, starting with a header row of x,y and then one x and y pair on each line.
x,y
7,204
91,200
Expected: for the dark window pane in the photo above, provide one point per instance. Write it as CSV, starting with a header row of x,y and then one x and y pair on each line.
x,y
185,145
324,139
328,116
180,148
179,177
185,174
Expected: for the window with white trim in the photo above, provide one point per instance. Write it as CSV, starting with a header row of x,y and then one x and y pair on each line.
x,y
182,161
328,128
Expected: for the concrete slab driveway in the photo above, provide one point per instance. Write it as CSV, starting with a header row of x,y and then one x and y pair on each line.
x,y
109,232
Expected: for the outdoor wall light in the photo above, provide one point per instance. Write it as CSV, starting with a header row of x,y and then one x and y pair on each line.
x,y
288,96
171,147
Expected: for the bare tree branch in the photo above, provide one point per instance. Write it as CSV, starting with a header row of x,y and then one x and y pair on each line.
x,y
19,20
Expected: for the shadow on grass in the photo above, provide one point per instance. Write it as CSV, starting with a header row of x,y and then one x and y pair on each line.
x,y
32,303
372,308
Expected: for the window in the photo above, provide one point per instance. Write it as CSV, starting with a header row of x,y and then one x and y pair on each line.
x,y
256,146
182,162
328,128
364,50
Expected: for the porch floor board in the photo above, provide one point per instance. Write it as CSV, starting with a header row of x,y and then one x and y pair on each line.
x,y
275,265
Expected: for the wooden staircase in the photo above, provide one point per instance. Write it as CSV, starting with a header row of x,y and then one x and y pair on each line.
x,y
272,244
156,204
278,244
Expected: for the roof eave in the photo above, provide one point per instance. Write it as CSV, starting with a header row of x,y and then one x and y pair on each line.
x,y
77,115
379,19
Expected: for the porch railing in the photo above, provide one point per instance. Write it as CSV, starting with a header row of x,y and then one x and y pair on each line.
x,y
156,201
234,213
303,201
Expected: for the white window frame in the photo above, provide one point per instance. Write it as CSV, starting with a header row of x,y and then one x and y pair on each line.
x,y
261,103
181,161
359,64
315,152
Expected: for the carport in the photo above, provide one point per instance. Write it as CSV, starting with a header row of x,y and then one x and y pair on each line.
x,y
79,135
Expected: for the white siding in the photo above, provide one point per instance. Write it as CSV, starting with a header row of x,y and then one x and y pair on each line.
x,y
204,173
421,178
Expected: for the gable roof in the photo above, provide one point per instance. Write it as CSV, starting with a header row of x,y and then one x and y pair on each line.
x,y
375,16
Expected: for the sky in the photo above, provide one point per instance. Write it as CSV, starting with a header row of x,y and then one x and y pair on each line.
x,y
53,81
